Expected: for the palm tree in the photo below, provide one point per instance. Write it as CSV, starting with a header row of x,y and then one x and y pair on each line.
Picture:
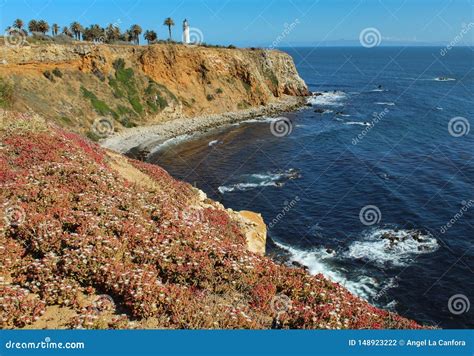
x,y
136,31
127,36
94,33
18,23
76,29
150,36
33,26
43,26
66,31
112,33
169,22
55,29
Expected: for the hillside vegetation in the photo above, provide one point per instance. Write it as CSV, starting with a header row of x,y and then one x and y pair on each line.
x,y
91,239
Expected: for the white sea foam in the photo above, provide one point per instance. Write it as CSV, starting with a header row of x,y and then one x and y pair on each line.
x,y
358,123
319,261
213,143
256,180
170,142
391,306
385,103
244,186
263,119
328,99
377,248
443,79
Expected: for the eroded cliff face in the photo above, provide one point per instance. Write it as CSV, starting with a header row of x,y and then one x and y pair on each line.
x,y
74,84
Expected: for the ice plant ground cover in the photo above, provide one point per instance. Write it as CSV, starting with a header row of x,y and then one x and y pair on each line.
x,y
80,240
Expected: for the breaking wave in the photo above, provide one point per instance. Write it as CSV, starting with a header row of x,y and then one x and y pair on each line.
x,y
320,261
213,143
392,247
358,123
328,98
170,142
443,79
385,103
252,181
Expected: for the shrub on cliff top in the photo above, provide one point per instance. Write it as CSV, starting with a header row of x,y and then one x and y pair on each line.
x,y
119,64
57,72
48,75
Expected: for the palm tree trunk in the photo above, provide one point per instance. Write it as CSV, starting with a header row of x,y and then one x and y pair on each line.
x,y
169,30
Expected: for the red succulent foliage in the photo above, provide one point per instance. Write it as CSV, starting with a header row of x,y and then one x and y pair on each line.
x,y
166,261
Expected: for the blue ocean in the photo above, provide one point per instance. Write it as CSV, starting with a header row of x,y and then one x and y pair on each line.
x,y
371,184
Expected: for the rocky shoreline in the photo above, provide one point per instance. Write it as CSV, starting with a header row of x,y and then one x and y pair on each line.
x,y
140,140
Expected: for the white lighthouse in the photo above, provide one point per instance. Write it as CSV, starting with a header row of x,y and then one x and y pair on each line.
x,y
186,39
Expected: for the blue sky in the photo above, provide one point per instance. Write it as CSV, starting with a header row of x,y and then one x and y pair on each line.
x,y
260,23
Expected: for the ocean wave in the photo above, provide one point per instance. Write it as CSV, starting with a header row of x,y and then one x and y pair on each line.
x,y
170,142
328,98
319,261
392,247
263,119
358,123
213,143
378,90
391,306
385,103
256,180
443,79
244,186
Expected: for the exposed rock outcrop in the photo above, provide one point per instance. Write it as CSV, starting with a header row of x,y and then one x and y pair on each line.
x,y
251,224
255,231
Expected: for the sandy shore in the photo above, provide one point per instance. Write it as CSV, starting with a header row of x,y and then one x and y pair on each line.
x,y
145,138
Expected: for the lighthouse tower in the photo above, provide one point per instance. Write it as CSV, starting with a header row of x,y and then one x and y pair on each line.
x,y
186,39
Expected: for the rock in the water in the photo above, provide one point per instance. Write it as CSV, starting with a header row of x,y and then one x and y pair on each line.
x,y
299,265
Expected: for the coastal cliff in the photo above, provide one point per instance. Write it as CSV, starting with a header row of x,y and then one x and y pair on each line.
x,y
143,85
